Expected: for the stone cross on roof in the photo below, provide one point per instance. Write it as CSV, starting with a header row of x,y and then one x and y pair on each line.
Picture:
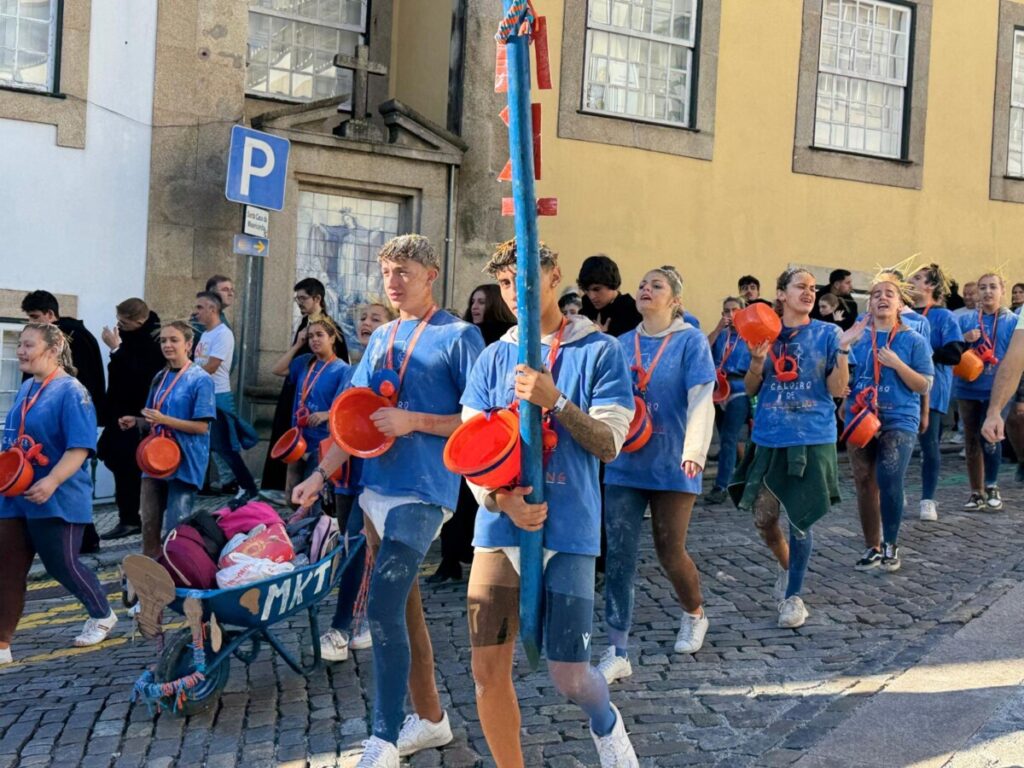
x,y
362,68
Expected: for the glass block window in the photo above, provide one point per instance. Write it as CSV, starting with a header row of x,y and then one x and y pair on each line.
x,y
639,59
339,237
862,77
292,44
28,44
1015,157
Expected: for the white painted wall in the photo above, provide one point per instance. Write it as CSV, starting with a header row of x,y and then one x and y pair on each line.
x,y
71,220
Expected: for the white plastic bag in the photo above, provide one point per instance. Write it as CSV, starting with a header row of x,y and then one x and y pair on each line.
x,y
246,570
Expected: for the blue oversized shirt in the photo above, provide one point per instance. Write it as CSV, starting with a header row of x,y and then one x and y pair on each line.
x,y
944,330
191,399
899,407
685,363
62,418
590,371
981,387
321,395
434,381
799,412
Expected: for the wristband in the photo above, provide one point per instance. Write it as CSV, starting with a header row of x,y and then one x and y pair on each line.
x,y
560,403
842,351
323,473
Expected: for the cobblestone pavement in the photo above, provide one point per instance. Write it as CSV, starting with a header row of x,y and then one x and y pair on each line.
x,y
756,695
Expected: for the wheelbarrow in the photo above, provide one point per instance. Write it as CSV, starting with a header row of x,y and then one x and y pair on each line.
x,y
194,664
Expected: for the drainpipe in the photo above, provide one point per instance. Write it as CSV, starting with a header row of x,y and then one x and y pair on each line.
x,y
449,238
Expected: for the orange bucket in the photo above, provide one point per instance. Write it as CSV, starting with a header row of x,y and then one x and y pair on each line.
x,y
757,323
970,366
862,429
722,388
290,447
158,456
351,426
16,472
486,449
640,428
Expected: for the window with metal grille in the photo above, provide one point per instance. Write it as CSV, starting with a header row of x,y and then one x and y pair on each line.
x,y
863,68
28,44
639,59
292,44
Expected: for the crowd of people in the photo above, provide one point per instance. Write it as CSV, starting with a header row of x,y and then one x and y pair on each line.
x,y
784,406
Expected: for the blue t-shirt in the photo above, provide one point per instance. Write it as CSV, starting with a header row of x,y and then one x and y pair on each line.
x,y
799,412
981,387
62,418
944,330
191,399
685,363
590,371
328,377
434,381
738,362
899,407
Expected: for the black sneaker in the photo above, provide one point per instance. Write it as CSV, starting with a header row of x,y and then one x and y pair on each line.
x,y
993,501
890,558
872,559
976,502
717,496
120,531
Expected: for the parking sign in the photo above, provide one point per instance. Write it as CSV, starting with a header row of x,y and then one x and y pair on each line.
x,y
257,168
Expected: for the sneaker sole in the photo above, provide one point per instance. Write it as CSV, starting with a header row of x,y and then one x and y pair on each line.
x,y
929,518
793,626
435,743
342,657
862,568
891,568
616,678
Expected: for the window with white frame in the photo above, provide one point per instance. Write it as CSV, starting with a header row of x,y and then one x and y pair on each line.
x,y
863,66
292,44
639,59
28,44
339,237
1015,155
10,374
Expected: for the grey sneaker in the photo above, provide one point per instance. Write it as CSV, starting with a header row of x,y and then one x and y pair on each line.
x,y
993,501
871,560
974,503
890,558
792,612
928,510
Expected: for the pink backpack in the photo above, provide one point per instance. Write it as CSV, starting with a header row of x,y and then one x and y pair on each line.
x,y
246,517
324,538
184,556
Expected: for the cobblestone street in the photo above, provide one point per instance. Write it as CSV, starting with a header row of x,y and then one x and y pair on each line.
x,y
756,695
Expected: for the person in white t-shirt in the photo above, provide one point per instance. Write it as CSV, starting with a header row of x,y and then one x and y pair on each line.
x,y
230,434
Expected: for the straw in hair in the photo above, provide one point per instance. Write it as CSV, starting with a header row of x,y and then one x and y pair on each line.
x,y
504,257
410,248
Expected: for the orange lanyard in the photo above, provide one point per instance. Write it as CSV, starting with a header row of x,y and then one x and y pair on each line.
x,y
28,402
874,350
556,343
160,403
729,346
307,385
643,377
989,342
390,362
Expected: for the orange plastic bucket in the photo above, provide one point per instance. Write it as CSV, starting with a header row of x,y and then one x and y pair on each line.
x,y
16,472
722,388
970,366
486,449
757,324
158,456
862,429
640,428
290,447
351,426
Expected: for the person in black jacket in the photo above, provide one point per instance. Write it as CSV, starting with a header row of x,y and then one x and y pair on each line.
x,y
42,307
613,312
309,296
135,358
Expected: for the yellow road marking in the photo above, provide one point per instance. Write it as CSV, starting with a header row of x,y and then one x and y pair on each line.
x,y
63,653
105,577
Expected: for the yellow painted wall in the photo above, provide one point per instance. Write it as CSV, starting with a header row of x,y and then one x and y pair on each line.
x,y
746,211
420,55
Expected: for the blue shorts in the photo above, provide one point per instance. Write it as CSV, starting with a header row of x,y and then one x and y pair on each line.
x,y
493,602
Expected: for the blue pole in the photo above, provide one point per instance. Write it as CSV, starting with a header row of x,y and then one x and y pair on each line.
x,y
520,139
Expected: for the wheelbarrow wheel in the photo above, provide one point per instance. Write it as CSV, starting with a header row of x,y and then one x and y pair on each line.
x,y
176,662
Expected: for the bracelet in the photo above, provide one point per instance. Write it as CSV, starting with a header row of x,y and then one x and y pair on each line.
x,y
842,351
323,473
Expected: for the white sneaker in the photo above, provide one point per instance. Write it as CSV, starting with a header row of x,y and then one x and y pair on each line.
x,y
691,633
417,734
5,655
333,645
95,631
928,510
781,584
792,612
361,640
378,753
613,666
614,750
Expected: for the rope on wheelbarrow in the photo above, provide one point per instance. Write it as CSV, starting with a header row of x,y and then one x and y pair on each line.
x,y
156,695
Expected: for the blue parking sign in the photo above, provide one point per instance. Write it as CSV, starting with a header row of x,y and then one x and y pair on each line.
x,y
257,168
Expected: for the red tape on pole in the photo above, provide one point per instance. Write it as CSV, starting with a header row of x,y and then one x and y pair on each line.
x,y
501,71
540,49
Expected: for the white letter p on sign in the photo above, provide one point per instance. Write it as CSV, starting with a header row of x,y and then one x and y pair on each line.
x,y
248,169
